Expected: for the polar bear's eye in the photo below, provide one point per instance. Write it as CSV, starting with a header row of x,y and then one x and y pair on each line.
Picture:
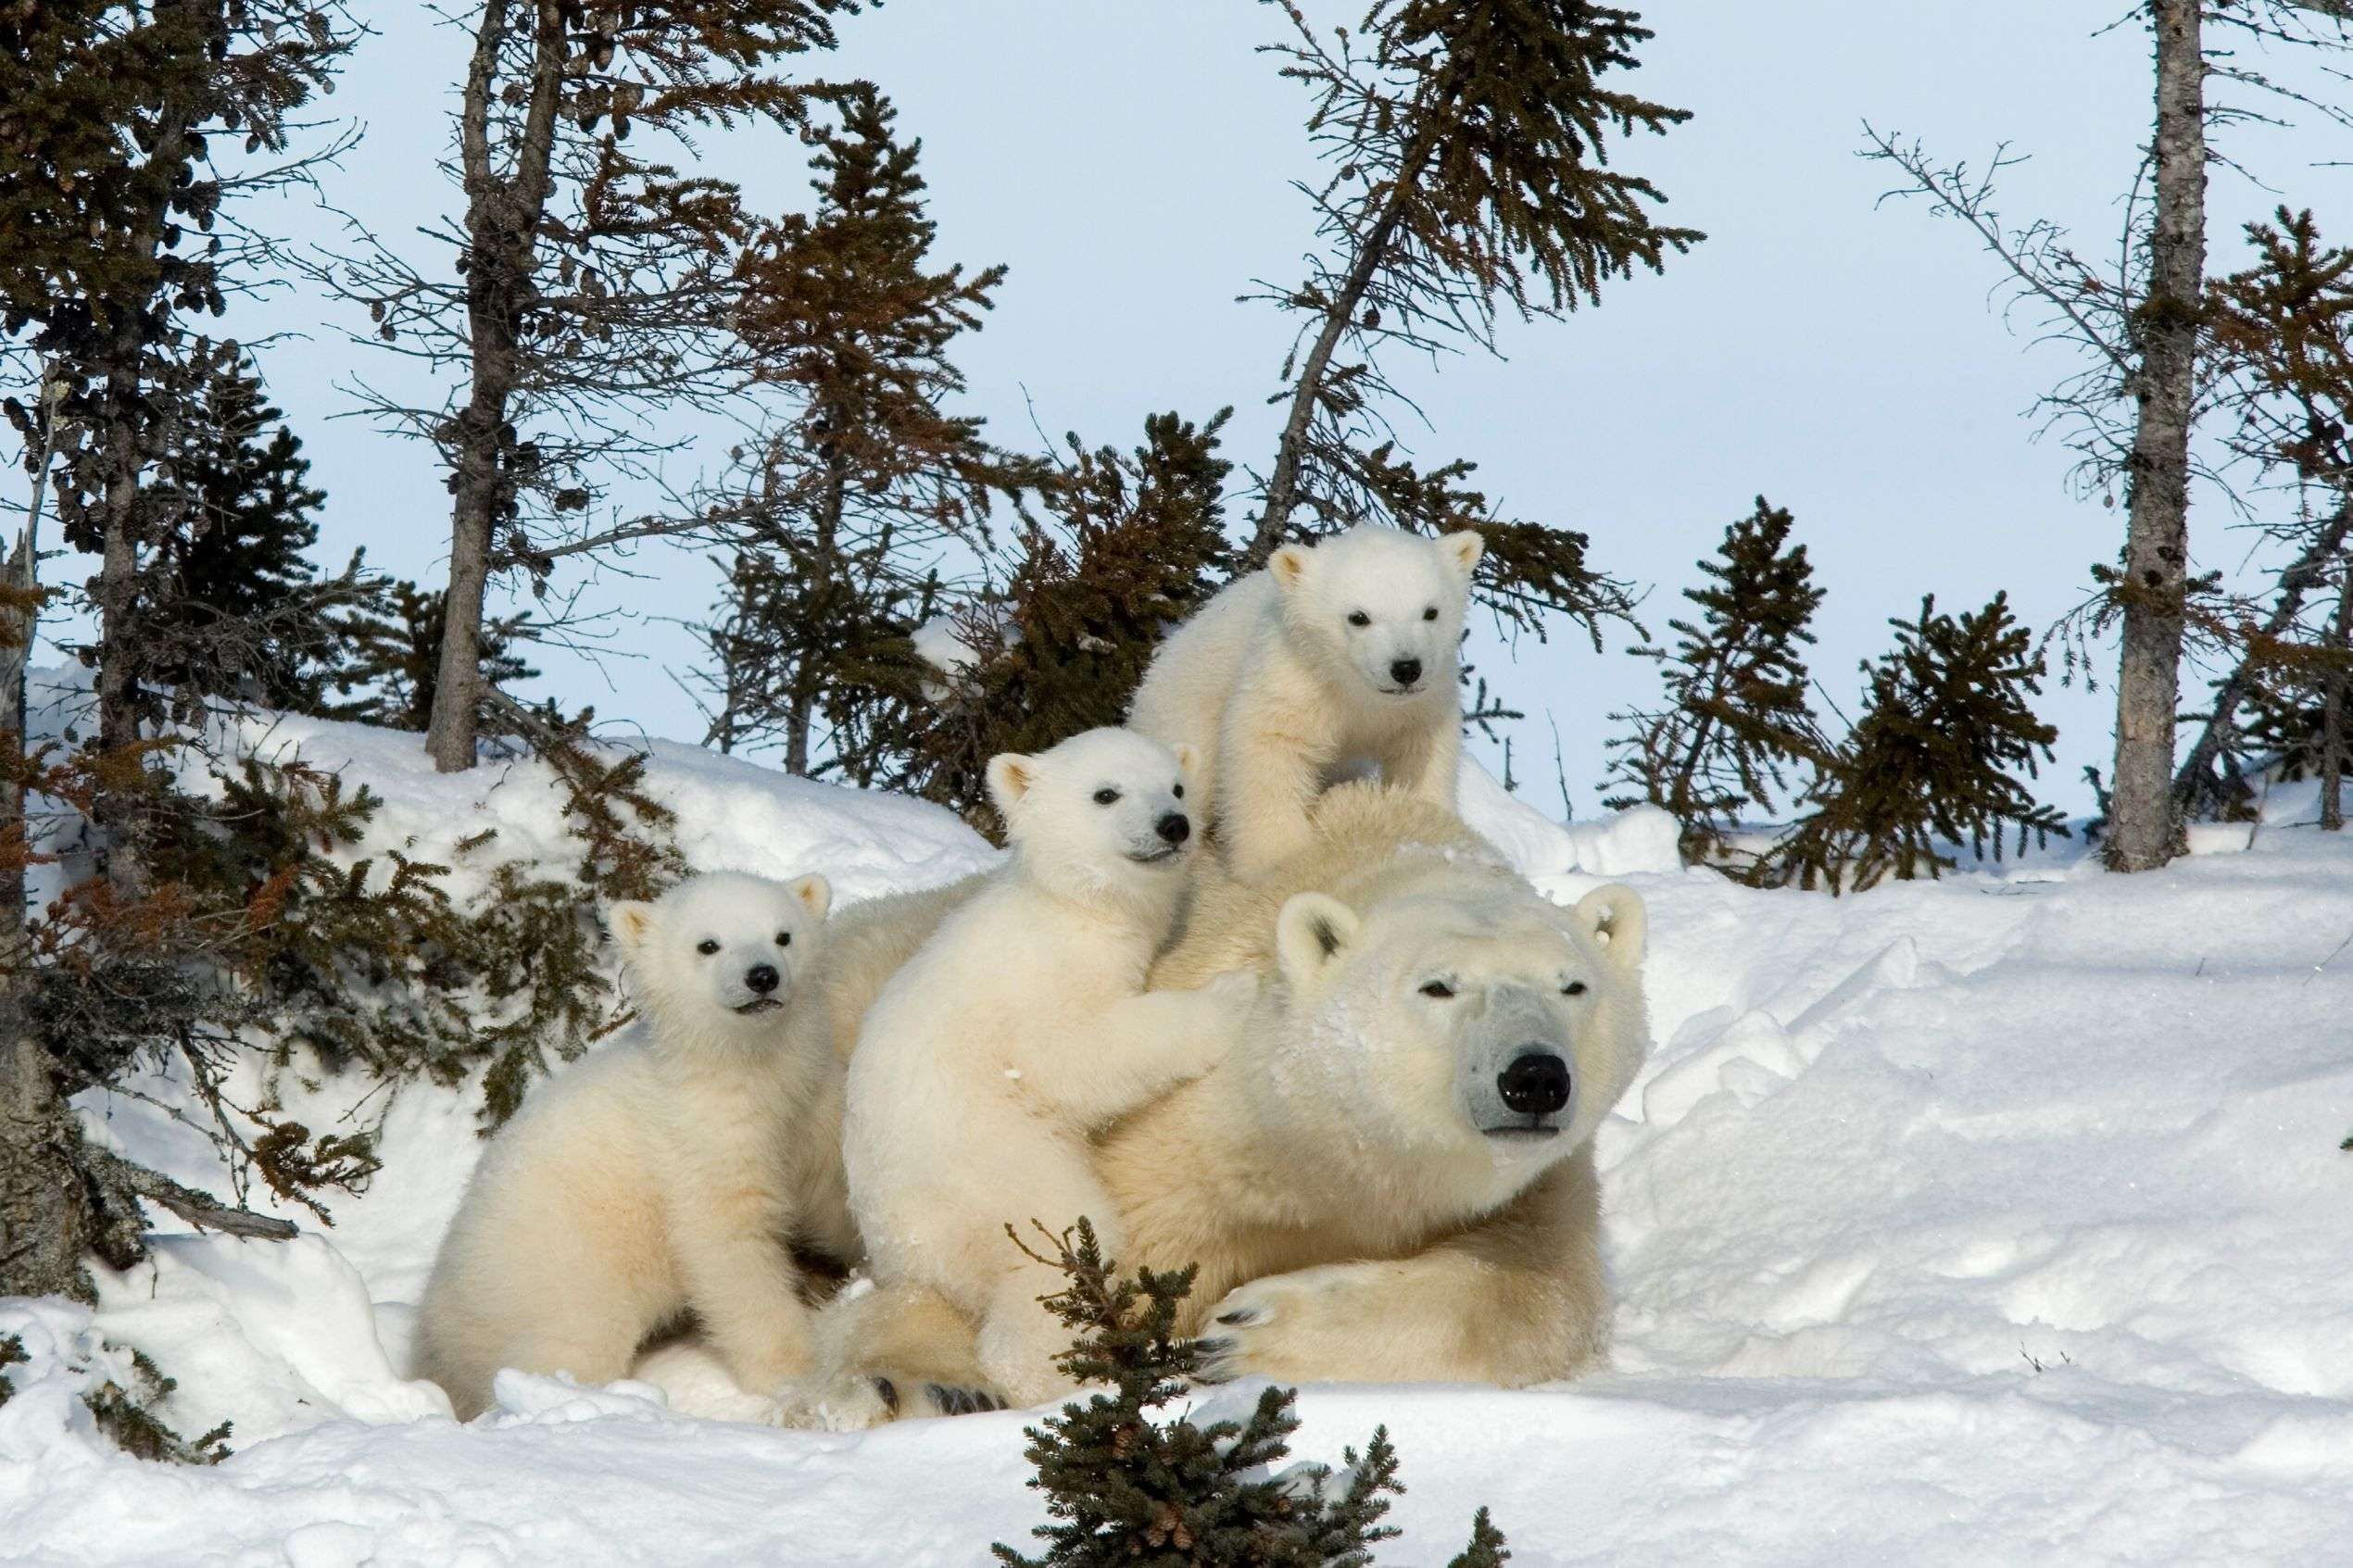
x,y
1438,988
1574,988
706,946
1430,613
1106,795
1358,618
1180,792
784,939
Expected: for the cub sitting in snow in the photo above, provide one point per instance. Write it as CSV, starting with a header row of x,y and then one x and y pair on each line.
x,y
1017,1030
663,1174
1337,655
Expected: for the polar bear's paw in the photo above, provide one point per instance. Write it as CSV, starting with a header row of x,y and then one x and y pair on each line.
x,y
1318,1324
850,1402
858,1402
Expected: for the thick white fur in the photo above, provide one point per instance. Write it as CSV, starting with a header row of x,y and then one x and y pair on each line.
x,y
1338,1178
1017,1030
1280,693
664,1173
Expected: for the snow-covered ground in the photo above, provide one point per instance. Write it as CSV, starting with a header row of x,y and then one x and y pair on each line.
x,y
1994,1221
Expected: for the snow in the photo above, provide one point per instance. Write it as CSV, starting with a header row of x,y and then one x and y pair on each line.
x,y
1994,1219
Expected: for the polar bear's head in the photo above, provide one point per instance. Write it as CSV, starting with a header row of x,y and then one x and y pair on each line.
x,y
1103,814
715,955
1379,607
1472,1026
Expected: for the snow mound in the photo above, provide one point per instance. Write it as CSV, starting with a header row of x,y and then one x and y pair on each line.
x,y
1642,840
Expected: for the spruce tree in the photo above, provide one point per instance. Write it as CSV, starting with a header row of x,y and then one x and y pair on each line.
x,y
588,287
2140,326
395,637
1470,179
845,513
1736,716
1125,1488
1118,548
126,129
2281,353
1928,763
238,609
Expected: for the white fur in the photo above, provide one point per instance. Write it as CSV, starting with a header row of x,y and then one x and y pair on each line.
x,y
1017,1030
664,1173
1395,1089
1358,1196
1280,693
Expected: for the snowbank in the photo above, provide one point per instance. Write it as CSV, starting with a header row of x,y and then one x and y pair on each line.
x,y
1998,1220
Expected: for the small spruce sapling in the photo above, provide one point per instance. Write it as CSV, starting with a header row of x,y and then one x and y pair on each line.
x,y
1928,764
1735,717
1119,548
1125,1490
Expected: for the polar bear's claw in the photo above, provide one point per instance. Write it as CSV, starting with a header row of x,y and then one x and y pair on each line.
x,y
1216,1361
950,1401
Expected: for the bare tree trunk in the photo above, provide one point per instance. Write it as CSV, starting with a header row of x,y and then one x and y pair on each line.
x,y
1340,313
2333,710
502,224
2307,573
1282,486
44,1208
802,717
2144,829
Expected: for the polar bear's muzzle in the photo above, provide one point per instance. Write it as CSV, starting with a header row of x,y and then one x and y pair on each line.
x,y
762,982
1516,1081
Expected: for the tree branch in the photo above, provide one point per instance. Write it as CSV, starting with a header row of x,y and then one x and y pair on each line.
x,y
203,1212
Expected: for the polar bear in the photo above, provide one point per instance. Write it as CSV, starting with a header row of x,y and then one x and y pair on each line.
x,y
1335,656
1020,1028
1389,1177
666,1172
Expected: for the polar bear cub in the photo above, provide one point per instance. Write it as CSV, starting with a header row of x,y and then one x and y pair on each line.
x,y
1336,655
1018,1029
664,1173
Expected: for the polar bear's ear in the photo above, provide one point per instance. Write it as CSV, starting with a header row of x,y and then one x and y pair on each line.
x,y
1188,759
1311,933
632,924
1289,566
816,894
1010,776
1615,918
1462,549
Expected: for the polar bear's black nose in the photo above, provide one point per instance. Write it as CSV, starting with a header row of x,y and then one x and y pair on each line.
x,y
1173,827
1405,672
1536,1084
762,978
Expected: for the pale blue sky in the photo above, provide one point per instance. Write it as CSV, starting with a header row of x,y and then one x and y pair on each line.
x,y
1130,163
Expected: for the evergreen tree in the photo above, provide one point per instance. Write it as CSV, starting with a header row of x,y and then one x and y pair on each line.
x,y
845,513
1736,715
118,125
590,285
1124,1489
2135,405
1119,549
395,639
2282,337
1470,179
239,610
1486,1548
1947,716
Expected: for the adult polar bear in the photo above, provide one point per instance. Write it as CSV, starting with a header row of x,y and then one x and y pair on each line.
x,y
1336,655
1390,1178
